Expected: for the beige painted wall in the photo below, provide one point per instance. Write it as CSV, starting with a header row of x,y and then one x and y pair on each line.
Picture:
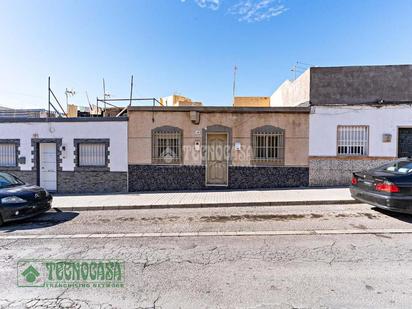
x,y
296,127
251,101
178,100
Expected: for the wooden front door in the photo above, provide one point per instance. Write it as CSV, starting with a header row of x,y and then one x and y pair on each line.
x,y
217,155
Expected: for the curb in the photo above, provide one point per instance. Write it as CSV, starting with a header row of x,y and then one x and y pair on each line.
x,y
212,234
208,205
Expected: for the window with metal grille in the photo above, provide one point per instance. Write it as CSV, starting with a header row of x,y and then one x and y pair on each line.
x,y
92,154
167,145
8,155
268,145
352,140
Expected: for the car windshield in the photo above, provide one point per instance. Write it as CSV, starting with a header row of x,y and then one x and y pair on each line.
x,y
399,167
7,180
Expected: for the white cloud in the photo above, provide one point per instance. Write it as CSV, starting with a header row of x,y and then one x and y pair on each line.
x,y
208,4
247,10
257,10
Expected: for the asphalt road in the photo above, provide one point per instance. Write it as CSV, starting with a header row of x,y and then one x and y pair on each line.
x,y
295,271
322,217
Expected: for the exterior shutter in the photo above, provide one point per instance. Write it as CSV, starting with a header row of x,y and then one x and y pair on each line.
x,y
92,154
8,155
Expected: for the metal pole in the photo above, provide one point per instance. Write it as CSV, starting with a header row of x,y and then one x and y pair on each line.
x,y
104,96
55,98
153,112
88,100
131,91
67,100
234,82
49,96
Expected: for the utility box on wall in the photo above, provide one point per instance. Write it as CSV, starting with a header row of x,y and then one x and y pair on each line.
x,y
386,138
195,117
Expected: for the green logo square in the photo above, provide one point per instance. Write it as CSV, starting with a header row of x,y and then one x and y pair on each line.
x,y
31,273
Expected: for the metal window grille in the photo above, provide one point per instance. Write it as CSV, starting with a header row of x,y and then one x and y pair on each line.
x,y
8,155
92,154
353,140
268,147
166,147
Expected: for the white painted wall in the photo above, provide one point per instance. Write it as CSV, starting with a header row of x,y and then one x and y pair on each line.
x,y
324,120
116,131
292,93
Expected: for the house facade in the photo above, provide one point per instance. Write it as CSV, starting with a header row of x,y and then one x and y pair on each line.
x,y
66,155
317,131
361,117
198,148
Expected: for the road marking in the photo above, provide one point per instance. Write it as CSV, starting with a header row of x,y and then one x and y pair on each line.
x,y
208,234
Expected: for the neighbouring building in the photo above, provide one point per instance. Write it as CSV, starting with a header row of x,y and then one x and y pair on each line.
x,y
361,117
74,111
6,112
251,101
66,155
178,100
197,148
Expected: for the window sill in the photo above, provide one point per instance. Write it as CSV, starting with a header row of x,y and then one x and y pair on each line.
x,y
352,156
167,164
159,162
10,168
91,169
267,163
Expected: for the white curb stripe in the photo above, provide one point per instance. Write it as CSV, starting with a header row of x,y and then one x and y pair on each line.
x,y
201,234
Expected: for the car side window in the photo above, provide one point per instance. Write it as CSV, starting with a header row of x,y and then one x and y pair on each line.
x,y
3,182
403,167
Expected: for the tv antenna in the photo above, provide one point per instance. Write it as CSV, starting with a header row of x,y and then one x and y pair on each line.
x,y
105,95
300,67
68,93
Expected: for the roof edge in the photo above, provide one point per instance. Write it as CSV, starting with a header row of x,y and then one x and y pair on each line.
x,y
220,109
351,66
365,103
77,119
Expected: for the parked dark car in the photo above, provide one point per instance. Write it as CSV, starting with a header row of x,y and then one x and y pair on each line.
x,y
388,187
19,200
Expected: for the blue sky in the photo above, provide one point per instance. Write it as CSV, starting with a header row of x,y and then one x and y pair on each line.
x,y
188,47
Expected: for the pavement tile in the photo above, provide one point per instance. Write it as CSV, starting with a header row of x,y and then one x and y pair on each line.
x,y
203,199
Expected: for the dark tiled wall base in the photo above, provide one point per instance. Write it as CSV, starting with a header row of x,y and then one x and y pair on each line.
x,y
259,177
165,178
338,172
27,176
81,182
92,182
172,178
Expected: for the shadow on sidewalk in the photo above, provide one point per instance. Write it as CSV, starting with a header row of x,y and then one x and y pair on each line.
x,y
48,219
396,215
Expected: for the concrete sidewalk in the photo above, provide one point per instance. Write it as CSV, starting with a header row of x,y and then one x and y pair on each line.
x,y
204,199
